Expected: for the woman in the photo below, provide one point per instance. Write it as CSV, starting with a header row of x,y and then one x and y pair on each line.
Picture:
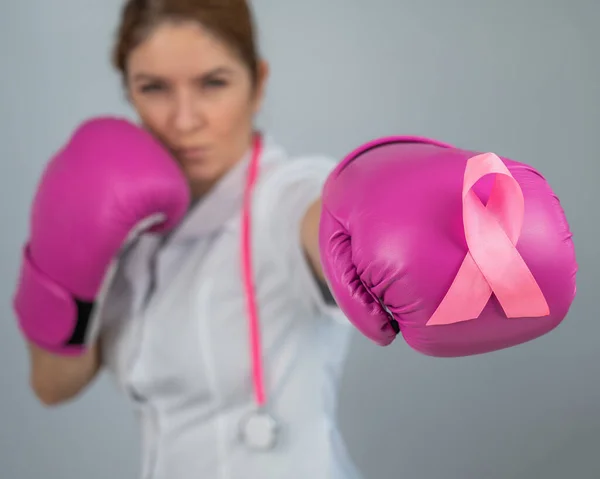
x,y
192,72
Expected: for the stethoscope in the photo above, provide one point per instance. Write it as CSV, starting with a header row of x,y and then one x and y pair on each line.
x,y
258,430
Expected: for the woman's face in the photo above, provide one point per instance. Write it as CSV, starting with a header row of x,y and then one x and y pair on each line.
x,y
196,96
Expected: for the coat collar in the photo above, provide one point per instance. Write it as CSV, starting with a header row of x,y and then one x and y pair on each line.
x,y
225,200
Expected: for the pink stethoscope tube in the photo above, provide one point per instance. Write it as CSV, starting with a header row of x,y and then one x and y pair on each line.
x,y
248,276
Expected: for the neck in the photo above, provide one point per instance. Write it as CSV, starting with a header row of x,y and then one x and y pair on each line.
x,y
201,188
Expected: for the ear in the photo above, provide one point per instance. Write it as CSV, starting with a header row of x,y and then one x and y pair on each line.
x,y
261,85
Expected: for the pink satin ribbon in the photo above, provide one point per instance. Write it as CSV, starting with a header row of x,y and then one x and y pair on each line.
x,y
492,264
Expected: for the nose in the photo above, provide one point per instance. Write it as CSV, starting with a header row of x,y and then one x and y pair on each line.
x,y
187,113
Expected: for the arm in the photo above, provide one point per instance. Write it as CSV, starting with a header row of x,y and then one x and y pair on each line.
x,y
94,227
291,194
55,379
309,236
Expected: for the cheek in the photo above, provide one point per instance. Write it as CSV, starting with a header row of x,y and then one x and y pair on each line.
x,y
153,115
233,113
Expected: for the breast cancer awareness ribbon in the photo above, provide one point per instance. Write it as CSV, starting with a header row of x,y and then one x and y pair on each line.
x,y
492,264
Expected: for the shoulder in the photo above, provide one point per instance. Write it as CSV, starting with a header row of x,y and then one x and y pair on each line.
x,y
282,170
288,185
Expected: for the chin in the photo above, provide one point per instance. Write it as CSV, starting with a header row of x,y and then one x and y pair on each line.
x,y
202,177
200,171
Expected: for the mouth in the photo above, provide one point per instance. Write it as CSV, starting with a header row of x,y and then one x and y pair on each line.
x,y
192,153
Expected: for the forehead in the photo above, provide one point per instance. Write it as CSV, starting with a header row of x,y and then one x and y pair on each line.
x,y
181,49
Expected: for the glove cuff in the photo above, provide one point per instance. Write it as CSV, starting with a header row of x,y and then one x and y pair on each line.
x,y
48,315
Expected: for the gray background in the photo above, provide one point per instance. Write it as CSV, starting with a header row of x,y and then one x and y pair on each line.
x,y
518,77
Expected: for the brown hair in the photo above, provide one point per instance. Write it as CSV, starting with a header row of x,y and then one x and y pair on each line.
x,y
230,20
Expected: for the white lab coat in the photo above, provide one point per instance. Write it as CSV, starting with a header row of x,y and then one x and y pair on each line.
x,y
174,332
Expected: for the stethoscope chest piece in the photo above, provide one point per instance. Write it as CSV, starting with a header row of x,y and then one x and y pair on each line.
x,y
259,431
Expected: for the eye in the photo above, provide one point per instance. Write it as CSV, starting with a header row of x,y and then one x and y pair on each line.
x,y
214,83
152,88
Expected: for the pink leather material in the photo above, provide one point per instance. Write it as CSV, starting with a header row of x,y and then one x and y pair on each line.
x,y
34,290
393,238
109,177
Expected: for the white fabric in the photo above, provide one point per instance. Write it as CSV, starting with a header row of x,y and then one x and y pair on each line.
x,y
175,335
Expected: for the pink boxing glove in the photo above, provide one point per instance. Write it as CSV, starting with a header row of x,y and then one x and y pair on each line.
x,y
462,253
112,179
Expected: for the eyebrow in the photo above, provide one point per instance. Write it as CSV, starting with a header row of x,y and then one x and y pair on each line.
x,y
142,76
